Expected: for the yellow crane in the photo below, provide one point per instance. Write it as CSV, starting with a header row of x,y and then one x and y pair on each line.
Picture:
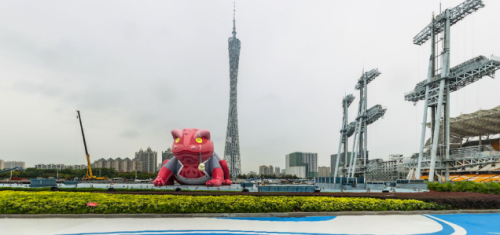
x,y
88,175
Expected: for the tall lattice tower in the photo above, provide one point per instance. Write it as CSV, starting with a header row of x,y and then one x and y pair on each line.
x,y
232,149
443,80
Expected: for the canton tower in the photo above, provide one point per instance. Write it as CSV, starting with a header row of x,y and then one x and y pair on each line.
x,y
232,149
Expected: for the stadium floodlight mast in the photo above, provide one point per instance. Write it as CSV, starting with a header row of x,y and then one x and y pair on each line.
x,y
436,89
363,120
454,15
346,102
372,115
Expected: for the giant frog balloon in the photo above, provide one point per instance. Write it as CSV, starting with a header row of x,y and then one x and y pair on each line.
x,y
194,161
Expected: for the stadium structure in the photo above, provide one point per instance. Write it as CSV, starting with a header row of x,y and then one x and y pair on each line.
x,y
474,154
474,149
466,147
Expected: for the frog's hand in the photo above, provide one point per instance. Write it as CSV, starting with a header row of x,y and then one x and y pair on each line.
x,y
225,169
163,176
217,177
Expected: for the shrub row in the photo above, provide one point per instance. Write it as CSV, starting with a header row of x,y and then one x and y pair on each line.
x,y
465,186
152,189
12,202
457,200
80,189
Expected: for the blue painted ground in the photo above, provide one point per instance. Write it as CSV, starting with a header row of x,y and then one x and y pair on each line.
x,y
475,223
285,219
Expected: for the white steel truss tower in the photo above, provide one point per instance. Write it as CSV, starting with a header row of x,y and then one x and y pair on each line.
x,y
435,91
346,102
232,148
365,117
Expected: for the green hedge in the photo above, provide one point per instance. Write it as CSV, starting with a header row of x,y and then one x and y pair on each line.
x,y
12,202
465,186
105,189
82,189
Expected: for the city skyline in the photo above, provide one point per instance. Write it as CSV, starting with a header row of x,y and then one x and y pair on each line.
x,y
136,80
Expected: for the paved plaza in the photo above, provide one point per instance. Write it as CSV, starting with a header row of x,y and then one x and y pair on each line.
x,y
367,224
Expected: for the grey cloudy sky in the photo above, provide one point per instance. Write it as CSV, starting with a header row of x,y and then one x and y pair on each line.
x,y
138,69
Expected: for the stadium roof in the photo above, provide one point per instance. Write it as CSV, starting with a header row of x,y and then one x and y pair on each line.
x,y
479,123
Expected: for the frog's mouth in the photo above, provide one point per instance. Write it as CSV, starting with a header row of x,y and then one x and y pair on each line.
x,y
191,152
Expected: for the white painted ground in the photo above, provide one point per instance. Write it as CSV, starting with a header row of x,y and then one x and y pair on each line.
x,y
370,224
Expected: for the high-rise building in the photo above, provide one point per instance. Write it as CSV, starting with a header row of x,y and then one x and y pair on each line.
x,y
2,164
131,165
117,164
77,167
277,170
60,166
252,173
12,164
109,163
99,163
149,160
299,171
263,170
51,166
266,170
121,165
232,148
303,165
323,171
166,155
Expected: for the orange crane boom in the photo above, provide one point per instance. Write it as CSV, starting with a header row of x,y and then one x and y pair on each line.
x,y
88,175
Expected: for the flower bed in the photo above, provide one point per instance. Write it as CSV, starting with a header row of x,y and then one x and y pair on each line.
x,y
465,186
137,189
117,189
12,202
457,200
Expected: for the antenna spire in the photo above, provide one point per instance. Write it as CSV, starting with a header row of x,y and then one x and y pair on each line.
x,y
234,19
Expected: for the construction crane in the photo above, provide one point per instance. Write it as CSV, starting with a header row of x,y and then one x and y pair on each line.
x,y
17,168
88,175
12,169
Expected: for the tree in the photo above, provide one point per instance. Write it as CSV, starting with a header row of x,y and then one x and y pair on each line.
x,y
240,176
72,173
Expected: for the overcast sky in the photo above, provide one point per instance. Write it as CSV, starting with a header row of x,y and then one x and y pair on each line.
x,y
138,69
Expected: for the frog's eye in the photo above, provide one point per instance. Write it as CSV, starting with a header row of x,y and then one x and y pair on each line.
x,y
199,140
177,140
